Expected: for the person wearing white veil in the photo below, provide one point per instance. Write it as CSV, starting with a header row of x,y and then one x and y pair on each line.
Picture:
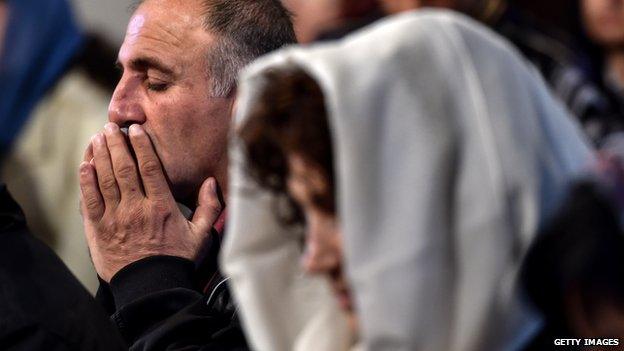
x,y
448,152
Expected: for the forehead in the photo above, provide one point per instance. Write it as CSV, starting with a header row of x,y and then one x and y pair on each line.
x,y
163,27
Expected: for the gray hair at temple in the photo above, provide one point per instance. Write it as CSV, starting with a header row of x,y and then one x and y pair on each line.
x,y
245,30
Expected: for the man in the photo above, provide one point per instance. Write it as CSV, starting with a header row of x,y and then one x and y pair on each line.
x,y
180,60
42,305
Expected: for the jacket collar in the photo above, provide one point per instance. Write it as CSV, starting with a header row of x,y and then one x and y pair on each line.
x,y
11,214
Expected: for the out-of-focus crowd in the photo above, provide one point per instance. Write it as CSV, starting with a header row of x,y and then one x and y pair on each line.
x,y
313,175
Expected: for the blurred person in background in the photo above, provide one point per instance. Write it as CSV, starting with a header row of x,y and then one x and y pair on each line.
x,y
310,18
55,83
330,19
599,31
42,305
417,204
574,272
554,55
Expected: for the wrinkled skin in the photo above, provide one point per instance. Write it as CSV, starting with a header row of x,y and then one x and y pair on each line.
x,y
128,210
178,131
165,88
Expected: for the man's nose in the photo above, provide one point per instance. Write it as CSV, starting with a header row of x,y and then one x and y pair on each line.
x,y
125,107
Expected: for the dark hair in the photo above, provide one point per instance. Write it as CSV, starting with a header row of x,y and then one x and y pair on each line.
x,y
354,9
592,59
580,251
245,29
289,117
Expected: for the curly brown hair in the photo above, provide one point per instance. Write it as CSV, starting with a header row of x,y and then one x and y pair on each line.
x,y
289,117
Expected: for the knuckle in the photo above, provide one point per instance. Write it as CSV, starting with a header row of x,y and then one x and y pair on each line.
x,y
161,209
150,168
158,210
215,207
115,142
126,171
108,183
92,204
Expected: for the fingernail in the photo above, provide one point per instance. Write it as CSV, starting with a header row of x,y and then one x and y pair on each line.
x,y
212,184
136,129
111,127
98,139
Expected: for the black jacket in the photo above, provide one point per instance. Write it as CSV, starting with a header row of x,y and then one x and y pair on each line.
x,y
164,303
42,305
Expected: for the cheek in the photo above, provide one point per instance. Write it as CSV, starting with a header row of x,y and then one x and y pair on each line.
x,y
172,126
176,117
588,13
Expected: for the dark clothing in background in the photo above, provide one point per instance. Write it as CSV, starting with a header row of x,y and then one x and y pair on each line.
x,y
349,26
167,303
591,102
42,305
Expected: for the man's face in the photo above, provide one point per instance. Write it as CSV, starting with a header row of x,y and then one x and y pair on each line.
x,y
604,21
165,87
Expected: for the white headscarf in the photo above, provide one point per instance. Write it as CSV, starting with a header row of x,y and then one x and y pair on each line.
x,y
449,153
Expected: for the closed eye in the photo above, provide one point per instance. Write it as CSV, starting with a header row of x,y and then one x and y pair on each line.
x,y
158,87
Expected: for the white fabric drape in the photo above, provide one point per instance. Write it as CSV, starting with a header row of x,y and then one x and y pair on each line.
x,y
450,151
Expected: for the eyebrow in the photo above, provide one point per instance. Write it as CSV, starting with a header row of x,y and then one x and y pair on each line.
x,y
144,63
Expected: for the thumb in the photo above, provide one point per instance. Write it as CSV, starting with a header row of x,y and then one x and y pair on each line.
x,y
208,206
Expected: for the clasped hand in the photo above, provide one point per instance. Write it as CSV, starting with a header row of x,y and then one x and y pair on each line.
x,y
127,207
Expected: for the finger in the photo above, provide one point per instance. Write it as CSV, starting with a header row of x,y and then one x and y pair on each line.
x,y
88,155
124,167
104,170
208,206
92,204
150,168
